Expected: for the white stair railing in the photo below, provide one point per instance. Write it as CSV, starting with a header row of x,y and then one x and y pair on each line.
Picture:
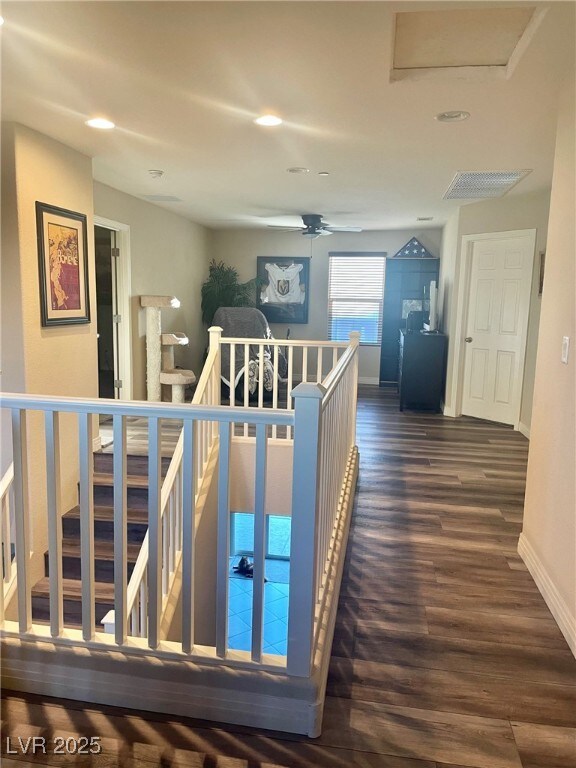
x,y
323,424
306,361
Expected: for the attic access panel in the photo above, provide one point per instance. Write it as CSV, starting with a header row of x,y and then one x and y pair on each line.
x,y
413,250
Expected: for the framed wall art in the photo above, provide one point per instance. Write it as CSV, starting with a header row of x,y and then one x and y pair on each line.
x,y
284,287
63,265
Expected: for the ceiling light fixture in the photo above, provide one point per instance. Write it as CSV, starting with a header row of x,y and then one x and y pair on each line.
x,y
156,173
1,20
323,173
456,116
100,122
268,120
298,169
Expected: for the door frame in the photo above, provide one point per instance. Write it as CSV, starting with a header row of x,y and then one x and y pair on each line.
x,y
463,293
123,294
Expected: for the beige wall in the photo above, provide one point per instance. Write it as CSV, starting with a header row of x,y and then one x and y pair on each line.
x,y
52,361
169,256
240,247
548,542
528,211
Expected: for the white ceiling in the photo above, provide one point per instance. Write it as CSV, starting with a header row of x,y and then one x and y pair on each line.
x,y
184,80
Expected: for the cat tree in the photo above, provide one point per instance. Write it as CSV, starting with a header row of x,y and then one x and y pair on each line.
x,y
160,366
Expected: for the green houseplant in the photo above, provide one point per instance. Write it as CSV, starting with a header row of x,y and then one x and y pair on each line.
x,y
224,289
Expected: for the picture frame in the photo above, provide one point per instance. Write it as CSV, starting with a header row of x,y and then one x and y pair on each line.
x,y
283,288
63,265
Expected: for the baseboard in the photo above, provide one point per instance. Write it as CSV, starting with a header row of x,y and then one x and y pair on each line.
x,y
554,600
368,380
179,688
449,411
524,430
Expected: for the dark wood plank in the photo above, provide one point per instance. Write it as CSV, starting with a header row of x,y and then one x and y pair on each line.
x,y
544,746
445,654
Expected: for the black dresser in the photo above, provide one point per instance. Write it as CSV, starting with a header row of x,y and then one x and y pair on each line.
x,y
421,370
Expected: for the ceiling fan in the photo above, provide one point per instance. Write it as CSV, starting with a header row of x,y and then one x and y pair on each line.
x,y
313,226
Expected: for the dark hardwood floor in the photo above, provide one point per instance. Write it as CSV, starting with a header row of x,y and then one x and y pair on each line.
x,y
445,655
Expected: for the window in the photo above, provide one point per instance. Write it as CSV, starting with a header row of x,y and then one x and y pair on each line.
x,y
355,296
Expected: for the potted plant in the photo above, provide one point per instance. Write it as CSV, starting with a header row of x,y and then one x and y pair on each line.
x,y
224,289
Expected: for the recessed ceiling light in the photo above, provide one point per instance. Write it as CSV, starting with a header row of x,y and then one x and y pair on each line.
x,y
100,122
1,20
456,116
298,169
268,120
323,173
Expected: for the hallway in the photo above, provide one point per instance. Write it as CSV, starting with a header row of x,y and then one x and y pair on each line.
x,y
445,654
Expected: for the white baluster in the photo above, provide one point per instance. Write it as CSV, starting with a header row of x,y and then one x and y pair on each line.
x,y
259,543
21,518
223,545
165,554
275,388
120,529
246,383
54,510
6,538
232,377
260,375
86,524
188,526
154,534
289,403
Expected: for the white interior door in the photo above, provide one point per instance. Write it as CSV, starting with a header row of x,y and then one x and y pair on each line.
x,y
497,324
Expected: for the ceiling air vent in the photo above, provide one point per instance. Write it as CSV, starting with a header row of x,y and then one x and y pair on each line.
x,y
470,185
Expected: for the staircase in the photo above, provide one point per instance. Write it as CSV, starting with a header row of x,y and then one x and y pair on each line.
x,y
137,525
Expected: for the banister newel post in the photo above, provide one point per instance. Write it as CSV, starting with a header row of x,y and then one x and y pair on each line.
x,y
355,342
304,533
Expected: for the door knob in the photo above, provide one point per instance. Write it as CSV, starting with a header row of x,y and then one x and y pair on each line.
x,y
468,339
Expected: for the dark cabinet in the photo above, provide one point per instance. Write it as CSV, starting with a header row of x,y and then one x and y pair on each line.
x,y
421,369
407,282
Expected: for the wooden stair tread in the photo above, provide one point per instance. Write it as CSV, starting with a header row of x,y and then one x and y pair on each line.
x,y
103,549
107,513
132,481
72,590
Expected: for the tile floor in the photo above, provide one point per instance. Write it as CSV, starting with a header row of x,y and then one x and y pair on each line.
x,y
276,589
275,615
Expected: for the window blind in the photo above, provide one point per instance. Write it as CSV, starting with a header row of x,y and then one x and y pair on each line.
x,y
355,296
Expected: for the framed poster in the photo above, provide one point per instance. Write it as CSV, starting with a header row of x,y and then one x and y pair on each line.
x,y
63,265
284,285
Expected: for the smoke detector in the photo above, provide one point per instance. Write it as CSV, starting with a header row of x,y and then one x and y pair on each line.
x,y
156,173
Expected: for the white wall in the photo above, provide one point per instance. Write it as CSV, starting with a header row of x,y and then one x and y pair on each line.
x,y
528,211
48,361
169,256
548,541
240,247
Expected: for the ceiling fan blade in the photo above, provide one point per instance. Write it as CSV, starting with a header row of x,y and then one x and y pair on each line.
x,y
285,229
344,229
323,232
